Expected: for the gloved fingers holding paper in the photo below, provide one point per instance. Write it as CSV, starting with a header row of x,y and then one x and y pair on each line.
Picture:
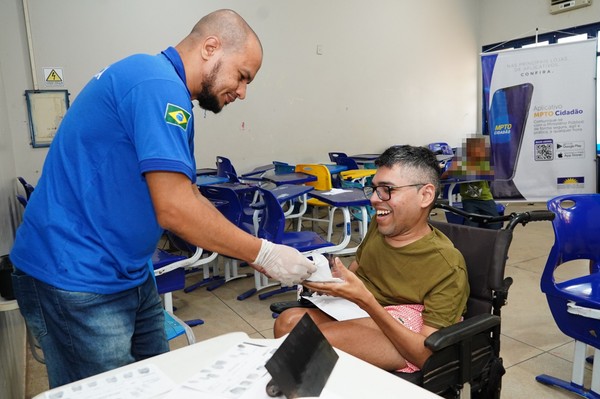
x,y
283,263
348,285
325,268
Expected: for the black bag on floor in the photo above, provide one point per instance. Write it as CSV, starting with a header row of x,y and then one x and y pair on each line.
x,y
6,268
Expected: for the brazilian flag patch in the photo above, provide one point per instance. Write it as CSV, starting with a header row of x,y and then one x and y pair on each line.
x,y
177,116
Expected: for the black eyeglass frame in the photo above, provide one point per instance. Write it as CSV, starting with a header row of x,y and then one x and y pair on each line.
x,y
369,190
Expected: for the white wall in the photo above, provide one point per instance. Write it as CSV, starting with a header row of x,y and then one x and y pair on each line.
x,y
389,74
11,112
503,20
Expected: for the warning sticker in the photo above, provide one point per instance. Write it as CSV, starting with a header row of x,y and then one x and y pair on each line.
x,y
53,77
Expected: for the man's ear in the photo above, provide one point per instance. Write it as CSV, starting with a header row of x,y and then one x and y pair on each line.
x,y
210,46
427,195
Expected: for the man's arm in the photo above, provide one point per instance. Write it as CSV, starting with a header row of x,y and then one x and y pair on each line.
x,y
181,209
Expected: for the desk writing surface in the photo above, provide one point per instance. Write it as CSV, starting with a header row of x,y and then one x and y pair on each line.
x,y
291,178
287,192
237,187
335,169
351,377
205,180
341,197
259,170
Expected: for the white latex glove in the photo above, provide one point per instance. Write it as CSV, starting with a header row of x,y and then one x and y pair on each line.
x,y
284,263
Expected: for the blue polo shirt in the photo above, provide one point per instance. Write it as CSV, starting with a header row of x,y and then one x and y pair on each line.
x,y
90,225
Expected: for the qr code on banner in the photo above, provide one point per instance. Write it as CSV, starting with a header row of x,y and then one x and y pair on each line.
x,y
544,151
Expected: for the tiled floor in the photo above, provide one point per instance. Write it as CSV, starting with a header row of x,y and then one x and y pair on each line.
x,y
531,342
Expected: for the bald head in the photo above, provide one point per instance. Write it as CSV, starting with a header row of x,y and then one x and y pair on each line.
x,y
233,31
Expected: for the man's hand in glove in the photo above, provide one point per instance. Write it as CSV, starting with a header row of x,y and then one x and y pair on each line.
x,y
283,263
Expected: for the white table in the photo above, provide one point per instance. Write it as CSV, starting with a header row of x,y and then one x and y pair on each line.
x,y
351,377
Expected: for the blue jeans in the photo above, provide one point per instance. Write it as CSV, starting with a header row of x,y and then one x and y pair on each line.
x,y
82,334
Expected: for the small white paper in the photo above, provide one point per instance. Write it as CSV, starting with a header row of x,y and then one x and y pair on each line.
x,y
335,191
233,375
338,308
323,273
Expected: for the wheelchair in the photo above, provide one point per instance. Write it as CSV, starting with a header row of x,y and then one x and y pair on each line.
x,y
466,356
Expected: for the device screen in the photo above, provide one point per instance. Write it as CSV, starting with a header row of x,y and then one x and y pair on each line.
x,y
507,119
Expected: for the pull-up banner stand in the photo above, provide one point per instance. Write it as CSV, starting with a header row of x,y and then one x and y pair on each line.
x,y
540,113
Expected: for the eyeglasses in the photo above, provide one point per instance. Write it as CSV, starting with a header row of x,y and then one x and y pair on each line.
x,y
385,192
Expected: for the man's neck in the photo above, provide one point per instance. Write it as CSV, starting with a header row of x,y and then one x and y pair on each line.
x,y
408,237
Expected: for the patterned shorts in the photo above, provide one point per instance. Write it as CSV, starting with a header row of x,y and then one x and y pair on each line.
x,y
411,317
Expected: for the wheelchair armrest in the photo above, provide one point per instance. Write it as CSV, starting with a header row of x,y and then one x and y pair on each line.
x,y
278,307
461,331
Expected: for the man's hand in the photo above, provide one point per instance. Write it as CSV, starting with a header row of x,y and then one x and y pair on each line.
x,y
351,288
283,263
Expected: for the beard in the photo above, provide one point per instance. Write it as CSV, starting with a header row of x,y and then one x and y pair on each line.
x,y
206,98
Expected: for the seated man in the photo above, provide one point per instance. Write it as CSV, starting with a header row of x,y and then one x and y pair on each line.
x,y
404,269
473,161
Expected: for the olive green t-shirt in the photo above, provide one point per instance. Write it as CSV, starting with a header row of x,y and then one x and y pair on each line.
x,y
429,271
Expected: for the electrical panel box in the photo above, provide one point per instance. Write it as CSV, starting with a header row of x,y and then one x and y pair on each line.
x,y
558,6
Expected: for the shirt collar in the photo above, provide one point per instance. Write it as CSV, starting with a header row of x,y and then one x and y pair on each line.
x,y
173,56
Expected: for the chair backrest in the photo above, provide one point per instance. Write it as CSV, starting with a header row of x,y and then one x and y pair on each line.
x,y
283,167
26,186
334,156
321,172
225,168
348,162
22,200
440,148
576,232
485,252
271,223
576,228
229,205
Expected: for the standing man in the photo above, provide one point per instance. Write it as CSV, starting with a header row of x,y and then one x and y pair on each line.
x,y
120,170
407,276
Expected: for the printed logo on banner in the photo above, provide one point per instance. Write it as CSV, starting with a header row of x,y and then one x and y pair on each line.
x,y
570,182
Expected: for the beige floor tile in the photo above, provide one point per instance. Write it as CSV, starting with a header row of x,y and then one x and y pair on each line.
x,y
519,381
514,352
527,314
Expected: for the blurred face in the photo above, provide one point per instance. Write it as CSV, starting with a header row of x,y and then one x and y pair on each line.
x,y
476,149
403,210
229,78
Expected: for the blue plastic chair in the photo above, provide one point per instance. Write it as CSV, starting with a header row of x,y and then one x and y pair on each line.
x,y
282,168
226,169
22,200
26,186
238,211
440,148
334,156
170,276
575,303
